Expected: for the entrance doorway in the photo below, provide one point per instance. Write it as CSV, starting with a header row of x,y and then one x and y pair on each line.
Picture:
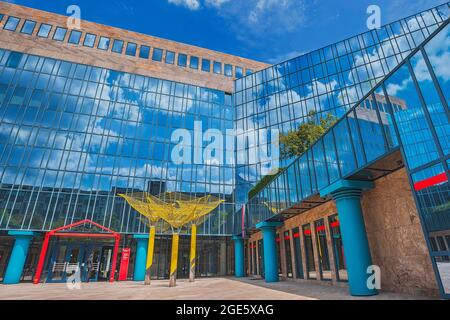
x,y
72,259
69,260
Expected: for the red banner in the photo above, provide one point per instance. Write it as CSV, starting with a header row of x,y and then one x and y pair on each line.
x,y
124,263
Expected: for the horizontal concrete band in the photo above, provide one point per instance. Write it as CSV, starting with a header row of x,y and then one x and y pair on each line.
x,y
140,236
268,224
21,233
342,185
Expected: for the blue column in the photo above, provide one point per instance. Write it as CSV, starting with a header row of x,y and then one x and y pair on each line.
x,y
18,256
239,268
141,257
347,195
270,249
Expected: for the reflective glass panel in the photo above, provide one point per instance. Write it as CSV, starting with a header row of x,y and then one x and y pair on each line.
x,y
28,27
44,30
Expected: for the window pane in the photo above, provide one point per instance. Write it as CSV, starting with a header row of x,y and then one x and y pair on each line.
x,y
1,16
144,52
386,118
322,249
89,40
217,67
432,101
103,43
320,165
60,34
44,30
228,70
439,58
157,54
371,131
206,65
170,57
418,142
182,60
131,49
11,23
117,46
298,253
239,72
193,64
330,153
338,248
309,252
28,27
75,37
344,148
249,72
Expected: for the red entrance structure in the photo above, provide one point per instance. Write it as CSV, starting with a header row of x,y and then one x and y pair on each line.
x,y
59,233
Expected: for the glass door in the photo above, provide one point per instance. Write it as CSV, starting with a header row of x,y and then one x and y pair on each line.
x,y
91,263
57,267
74,258
105,263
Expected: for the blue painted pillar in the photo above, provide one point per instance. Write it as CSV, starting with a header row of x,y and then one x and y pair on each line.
x,y
18,256
270,249
347,195
239,267
141,257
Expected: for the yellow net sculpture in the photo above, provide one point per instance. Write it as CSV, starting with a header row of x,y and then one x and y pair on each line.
x,y
178,210
139,202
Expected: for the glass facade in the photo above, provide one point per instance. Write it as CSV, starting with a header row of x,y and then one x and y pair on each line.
x,y
329,80
74,136
408,110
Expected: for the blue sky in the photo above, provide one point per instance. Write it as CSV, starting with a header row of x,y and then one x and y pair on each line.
x,y
265,30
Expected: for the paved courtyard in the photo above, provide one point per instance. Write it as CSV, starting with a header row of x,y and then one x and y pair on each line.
x,y
202,289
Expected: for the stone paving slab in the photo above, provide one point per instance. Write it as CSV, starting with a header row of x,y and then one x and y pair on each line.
x,y
201,289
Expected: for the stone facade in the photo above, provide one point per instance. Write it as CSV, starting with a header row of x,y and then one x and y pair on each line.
x,y
395,237
47,47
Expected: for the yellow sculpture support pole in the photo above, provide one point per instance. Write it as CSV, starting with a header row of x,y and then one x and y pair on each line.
x,y
193,252
151,247
174,260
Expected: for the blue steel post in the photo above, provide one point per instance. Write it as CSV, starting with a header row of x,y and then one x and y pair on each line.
x,y
239,268
18,256
347,195
141,257
270,250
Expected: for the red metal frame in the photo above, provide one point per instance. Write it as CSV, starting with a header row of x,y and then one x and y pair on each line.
x,y
58,233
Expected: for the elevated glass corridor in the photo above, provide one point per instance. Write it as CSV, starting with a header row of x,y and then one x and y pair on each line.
x,y
403,121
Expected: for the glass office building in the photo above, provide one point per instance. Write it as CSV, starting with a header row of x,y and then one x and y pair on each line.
x,y
75,133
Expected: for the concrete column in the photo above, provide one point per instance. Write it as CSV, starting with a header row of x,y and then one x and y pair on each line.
x,y
18,256
270,250
239,267
141,257
347,195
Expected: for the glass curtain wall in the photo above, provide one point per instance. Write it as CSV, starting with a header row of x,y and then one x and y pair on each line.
x,y
74,136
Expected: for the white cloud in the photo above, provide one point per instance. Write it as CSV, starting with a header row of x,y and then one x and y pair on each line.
x,y
216,3
190,4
